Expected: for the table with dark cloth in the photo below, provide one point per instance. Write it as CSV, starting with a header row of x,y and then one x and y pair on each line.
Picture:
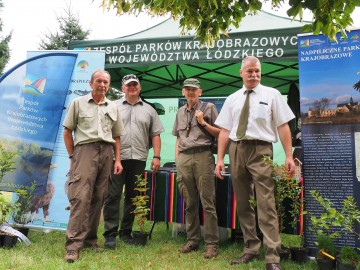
x,y
167,205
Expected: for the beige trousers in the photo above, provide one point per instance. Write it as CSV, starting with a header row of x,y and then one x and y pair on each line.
x,y
89,180
250,176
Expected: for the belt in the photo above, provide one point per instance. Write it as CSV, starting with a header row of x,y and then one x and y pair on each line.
x,y
100,142
196,150
252,142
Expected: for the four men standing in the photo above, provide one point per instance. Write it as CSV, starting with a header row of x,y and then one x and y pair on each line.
x,y
250,120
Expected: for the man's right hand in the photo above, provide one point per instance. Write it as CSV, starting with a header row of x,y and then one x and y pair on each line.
x,y
118,168
220,169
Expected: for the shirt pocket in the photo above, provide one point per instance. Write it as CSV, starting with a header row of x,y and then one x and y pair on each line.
x,y
261,111
110,119
182,130
86,118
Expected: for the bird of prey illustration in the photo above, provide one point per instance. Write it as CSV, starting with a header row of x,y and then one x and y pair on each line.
x,y
43,201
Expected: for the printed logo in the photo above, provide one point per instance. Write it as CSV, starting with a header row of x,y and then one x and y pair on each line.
x,y
354,37
305,43
35,88
82,64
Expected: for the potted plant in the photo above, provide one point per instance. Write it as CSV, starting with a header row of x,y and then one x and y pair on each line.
x,y
22,214
346,220
6,209
348,259
141,203
325,257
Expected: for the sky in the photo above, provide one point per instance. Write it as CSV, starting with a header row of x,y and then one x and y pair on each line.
x,y
30,20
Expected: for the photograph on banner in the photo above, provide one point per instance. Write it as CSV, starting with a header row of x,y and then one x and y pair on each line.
x,y
329,76
50,200
33,95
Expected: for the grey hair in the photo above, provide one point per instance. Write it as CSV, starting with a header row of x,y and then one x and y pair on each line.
x,y
251,59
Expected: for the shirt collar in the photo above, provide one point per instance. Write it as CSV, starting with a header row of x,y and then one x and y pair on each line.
x,y
195,107
255,90
89,97
123,101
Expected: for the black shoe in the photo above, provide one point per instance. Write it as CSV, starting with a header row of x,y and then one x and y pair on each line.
x,y
127,238
110,242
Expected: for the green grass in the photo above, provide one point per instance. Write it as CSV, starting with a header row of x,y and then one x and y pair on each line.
x,y
47,252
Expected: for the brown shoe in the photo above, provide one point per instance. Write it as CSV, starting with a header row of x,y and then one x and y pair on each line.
x,y
189,247
211,252
245,258
273,266
71,256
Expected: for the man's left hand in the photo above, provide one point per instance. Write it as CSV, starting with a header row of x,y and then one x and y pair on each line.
x,y
290,166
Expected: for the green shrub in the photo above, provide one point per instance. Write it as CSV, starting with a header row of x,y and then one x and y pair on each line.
x,y
326,244
348,255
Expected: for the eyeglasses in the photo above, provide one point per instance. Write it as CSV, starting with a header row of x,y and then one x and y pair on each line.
x,y
128,77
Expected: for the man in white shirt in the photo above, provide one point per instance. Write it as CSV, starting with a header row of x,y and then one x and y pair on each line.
x,y
250,133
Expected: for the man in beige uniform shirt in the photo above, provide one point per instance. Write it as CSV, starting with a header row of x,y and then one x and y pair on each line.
x,y
97,127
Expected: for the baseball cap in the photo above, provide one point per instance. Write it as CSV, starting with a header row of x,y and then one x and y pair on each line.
x,y
192,83
130,78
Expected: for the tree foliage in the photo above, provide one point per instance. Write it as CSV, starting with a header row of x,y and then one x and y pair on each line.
x,y
322,104
210,18
69,29
4,45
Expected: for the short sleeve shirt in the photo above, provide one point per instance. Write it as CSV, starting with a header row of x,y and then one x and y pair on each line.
x,y
141,123
93,122
268,110
195,136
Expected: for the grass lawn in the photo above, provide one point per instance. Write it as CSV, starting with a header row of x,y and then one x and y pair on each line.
x,y
47,252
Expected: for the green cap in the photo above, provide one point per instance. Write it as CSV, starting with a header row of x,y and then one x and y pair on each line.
x,y
192,83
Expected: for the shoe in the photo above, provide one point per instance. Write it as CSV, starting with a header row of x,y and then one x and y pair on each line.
x,y
71,256
110,242
273,266
211,252
127,238
245,259
189,247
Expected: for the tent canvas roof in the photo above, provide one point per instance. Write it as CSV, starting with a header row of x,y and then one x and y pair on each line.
x,y
162,58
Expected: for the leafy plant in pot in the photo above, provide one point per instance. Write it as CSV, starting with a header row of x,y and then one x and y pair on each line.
x,y
288,189
346,220
348,259
141,202
325,257
6,206
6,209
22,214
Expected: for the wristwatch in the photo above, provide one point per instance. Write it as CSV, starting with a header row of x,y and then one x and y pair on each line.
x,y
158,157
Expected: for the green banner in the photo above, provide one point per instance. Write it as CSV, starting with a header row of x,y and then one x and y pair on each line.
x,y
271,45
